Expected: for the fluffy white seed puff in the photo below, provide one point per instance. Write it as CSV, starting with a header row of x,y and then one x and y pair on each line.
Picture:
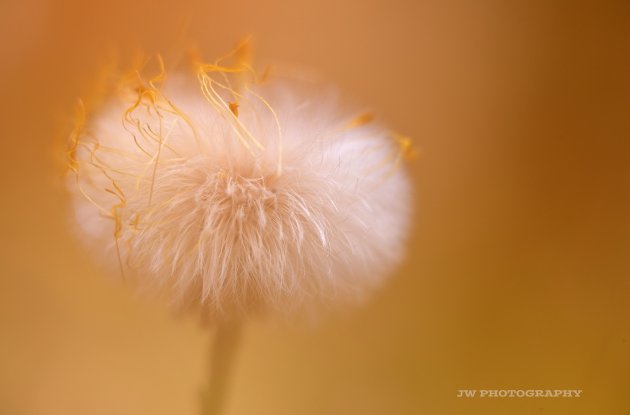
x,y
272,205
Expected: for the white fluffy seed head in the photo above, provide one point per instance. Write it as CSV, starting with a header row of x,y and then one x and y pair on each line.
x,y
266,197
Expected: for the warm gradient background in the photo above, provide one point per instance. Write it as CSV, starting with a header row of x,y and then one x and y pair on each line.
x,y
519,267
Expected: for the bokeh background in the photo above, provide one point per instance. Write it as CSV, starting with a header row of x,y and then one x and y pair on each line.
x,y
518,274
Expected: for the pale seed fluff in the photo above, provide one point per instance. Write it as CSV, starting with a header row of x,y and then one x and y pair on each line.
x,y
235,195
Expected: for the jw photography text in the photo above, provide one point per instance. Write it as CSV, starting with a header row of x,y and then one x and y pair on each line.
x,y
519,393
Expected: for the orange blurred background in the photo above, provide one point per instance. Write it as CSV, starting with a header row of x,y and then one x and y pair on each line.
x,y
518,275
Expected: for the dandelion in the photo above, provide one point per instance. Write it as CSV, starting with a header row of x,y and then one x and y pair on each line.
x,y
236,193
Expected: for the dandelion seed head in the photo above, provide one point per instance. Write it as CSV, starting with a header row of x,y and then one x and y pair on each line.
x,y
235,195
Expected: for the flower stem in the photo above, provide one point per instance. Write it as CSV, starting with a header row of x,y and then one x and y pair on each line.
x,y
222,352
